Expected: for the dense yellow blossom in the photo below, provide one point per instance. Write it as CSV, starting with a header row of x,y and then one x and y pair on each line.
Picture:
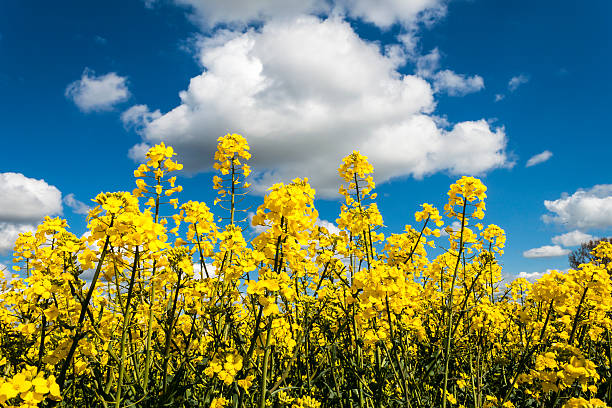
x,y
209,313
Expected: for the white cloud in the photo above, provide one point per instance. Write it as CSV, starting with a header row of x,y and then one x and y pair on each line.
x,y
9,233
532,276
546,251
258,229
304,107
456,226
209,13
97,93
77,206
447,81
517,81
572,238
199,273
590,208
382,13
5,273
456,84
330,226
499,97
428,64
138,152
539,158
138,117
24,199
24,202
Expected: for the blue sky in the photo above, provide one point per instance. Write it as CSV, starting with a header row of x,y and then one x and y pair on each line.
x,y
430,90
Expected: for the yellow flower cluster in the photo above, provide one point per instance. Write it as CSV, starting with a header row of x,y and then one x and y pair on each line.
x,y
293,313
28,388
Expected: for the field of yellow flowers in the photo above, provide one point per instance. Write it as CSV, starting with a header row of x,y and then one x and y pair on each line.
x,y
298,317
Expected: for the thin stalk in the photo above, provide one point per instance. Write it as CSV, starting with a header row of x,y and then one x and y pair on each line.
x,y
264,377
450,306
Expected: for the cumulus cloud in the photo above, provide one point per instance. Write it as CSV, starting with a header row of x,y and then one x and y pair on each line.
x,y
24,202
77,206
572,238
138,117
532,276
330,226
546,251
517,81
305,107
456,84
9,233
539,158
586,208
24,199
383,13
97,93
445,81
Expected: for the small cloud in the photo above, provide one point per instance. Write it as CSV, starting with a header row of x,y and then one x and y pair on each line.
x,y
77,206
330,226
100,40
456,226
97,93
428,64
546,251
517,81
531,276
456,84
499,97
572,238
586,208
27,200
539,158
138,152
138,117
9,233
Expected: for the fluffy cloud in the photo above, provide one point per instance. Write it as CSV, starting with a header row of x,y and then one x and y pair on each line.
x,y
97,93
456,84
446,81
531,276
539,158
517,81
546,251
383,13
572,238
590,208
305,107
9,233
77,206
138,117
24,199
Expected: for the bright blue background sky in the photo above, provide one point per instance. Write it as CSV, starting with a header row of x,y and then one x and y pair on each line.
x,y
562,49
